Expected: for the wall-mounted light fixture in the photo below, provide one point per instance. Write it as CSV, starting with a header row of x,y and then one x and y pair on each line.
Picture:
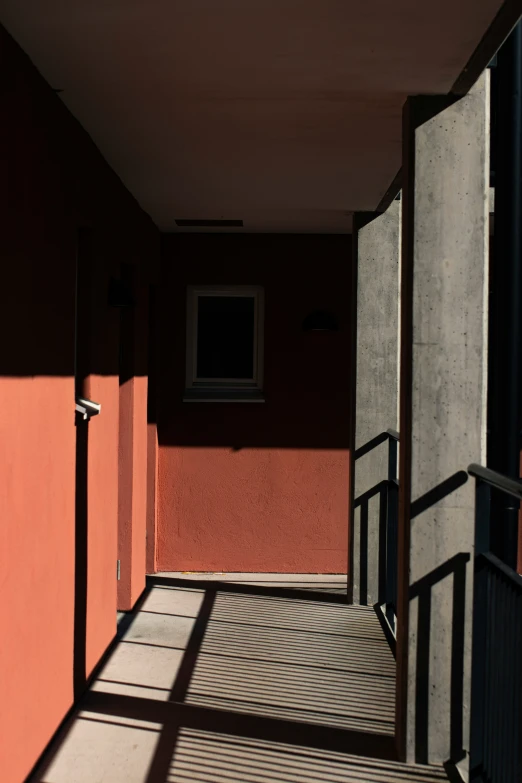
x,y
320,321
120,293
86,409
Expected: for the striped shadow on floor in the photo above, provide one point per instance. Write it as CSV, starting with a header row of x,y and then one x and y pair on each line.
x,y
306,661
208,757
212,684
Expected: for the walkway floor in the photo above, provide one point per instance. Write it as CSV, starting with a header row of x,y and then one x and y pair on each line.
x,y
237,682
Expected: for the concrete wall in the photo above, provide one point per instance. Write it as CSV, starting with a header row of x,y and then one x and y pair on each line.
x,y
377,245
258,487
53,181
443,411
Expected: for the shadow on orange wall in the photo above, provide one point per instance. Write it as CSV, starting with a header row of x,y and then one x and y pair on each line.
x,y
58,608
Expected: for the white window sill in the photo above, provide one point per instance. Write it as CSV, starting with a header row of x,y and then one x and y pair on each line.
x,y
223,397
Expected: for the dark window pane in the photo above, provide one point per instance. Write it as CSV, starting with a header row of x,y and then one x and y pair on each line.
x,y
225,337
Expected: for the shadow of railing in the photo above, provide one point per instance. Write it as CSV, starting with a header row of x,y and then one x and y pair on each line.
x,y
422,590
261,669
387,492
438,493
496,674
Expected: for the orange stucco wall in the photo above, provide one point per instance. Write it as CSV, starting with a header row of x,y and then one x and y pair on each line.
x,y
53,182
102,515
139,526
268,510
133,473
36,566
260,486
133,457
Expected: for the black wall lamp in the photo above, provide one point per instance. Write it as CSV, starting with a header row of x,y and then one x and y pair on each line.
x,y
320,321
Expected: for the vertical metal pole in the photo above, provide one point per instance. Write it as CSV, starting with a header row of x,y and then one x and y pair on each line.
x,y
506,281
392,458
363,554
482,517
82,371
479,619
391,534
391,554
383,543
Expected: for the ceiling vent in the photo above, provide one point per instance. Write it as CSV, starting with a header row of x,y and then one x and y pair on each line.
x,y
209,223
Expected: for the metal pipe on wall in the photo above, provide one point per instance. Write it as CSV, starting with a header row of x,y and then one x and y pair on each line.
x,y
506,292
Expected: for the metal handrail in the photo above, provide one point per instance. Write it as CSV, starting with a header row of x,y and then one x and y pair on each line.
x,y
503,568
497,480
370,493
496,678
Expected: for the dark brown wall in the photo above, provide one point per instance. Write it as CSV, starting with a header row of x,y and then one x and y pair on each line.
x,y
53,181
258,486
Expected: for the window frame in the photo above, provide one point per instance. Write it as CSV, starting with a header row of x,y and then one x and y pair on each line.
x,y
223,389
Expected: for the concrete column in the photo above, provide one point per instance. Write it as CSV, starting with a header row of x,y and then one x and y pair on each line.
x,y
443,412
376,245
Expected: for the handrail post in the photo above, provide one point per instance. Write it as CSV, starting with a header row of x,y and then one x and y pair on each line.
x,y
482,516
391,534
392,458
496,678
391,553
479,631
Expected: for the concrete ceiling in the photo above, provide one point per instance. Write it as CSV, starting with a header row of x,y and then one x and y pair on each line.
x,y
283,113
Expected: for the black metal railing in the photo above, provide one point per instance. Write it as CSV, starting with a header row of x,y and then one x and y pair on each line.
x,y
388,492
496,695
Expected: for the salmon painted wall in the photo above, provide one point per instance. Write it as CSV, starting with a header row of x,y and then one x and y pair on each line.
x,y
53,181
133,454
258,487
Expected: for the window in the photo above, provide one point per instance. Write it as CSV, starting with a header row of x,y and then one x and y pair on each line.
x,y
224,343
